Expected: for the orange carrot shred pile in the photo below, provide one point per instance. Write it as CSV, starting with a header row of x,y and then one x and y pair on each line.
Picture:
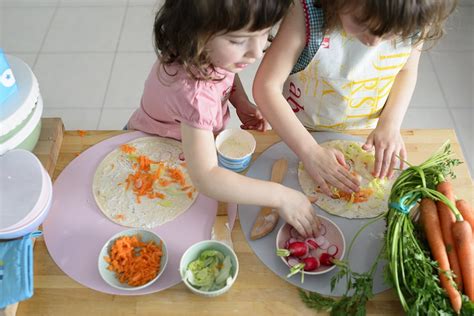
x,y
133,261
143,178
82,133
128,149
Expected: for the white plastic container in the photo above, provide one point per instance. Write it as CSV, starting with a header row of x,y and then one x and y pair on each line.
x,y
20,114
26,193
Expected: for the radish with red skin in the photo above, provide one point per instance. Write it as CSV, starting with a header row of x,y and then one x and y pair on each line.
x,y
296,249
326,259
322,230
332,250
310,263
311,242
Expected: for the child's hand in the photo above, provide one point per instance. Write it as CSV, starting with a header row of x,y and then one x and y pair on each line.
x,y
388,144
328,166
251,117
297,211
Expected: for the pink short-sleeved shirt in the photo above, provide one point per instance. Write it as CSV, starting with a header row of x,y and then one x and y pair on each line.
x,y
168,101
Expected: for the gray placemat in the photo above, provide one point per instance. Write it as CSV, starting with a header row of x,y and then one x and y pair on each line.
x,y
364,251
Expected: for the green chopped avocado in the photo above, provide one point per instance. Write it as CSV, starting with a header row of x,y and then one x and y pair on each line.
x,y
209,271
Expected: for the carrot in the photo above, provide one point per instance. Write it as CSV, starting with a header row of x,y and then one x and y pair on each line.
x,y
466,212
81,132
134,261
432,227
447,219
462,233
128,149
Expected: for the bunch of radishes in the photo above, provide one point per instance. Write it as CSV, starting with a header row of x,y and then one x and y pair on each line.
x,y
308,254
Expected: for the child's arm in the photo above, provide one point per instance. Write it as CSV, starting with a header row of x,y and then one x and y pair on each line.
x,y
386,137
322,164
224,185
248,113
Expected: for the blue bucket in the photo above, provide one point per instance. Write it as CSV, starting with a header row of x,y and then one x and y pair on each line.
x,y
7,80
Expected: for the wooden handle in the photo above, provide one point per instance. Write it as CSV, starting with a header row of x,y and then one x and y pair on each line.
x,y
279,170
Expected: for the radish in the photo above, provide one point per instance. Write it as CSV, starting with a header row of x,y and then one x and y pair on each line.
x,y
297,249
292,261
326,259
311,242
322,242
307,264
310,263
332,250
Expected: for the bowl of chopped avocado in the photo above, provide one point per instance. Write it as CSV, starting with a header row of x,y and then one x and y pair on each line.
x,y
209,268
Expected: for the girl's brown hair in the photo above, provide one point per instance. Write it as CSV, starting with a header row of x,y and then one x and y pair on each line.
x,y
415,20
183,27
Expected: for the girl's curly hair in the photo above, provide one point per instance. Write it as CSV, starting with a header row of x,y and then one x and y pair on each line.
x,y
415,20
183,27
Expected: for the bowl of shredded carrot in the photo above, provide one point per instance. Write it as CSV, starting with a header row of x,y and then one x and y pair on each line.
x,y
132,259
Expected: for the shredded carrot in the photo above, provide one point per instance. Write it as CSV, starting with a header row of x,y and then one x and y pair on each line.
x,y
81,132
142,180
128,149
134,262
357,197
119,217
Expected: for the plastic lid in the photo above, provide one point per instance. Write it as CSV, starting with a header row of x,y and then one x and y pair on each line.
x,y
18,106
21,185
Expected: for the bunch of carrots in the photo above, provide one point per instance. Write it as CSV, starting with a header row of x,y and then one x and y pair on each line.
x,y
143,179
134,261
450,236
424,285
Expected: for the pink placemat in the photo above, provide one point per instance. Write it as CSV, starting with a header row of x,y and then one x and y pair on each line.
x,y
75,229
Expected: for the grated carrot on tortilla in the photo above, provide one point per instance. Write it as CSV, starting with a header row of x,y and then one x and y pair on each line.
x,y
134,262
128,149
144,178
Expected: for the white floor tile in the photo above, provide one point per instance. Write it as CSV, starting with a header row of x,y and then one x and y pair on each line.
x,y
155,3
465,132
73,80
114,119
128,77
87,3
455,71
23,29
137,34
75,118
28,3
459,31
85,29
427,118
29,59
427,92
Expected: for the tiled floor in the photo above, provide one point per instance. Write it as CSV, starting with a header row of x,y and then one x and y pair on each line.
x,y
91,58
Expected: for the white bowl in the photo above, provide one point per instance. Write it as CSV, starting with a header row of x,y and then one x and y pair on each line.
x,y
110,277
332,233
192,253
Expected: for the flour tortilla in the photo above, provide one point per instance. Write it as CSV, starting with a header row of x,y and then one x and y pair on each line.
x,y
362,163
120,205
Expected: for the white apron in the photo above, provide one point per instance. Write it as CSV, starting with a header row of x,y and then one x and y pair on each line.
x,y
346,84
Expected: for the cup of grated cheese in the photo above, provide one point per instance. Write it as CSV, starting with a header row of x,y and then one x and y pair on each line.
x,y
234,149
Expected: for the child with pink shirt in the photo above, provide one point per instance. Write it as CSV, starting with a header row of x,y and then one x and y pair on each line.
x,y
201,48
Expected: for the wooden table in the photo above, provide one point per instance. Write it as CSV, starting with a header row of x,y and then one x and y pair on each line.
x,y
257,291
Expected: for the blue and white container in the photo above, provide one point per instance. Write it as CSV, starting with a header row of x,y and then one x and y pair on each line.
x,y
7,79
234,149
20,114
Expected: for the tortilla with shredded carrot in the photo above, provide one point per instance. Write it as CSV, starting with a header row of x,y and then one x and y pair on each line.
x,y
143,183
370,201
